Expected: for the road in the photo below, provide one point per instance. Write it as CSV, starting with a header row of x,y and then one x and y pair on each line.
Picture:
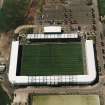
x,y
98,38
1,3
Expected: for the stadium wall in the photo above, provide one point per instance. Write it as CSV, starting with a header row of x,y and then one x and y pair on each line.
x,y
53,80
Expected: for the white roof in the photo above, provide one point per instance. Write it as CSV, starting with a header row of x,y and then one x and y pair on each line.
x,y
90,60
13,61
52,29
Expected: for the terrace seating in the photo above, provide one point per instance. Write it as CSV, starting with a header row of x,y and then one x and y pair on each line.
x,y
51,36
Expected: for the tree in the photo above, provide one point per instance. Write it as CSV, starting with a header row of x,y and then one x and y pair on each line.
x,y
13,14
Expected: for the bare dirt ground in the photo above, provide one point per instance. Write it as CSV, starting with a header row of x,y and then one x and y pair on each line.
x,y
5,44
5,41
30,14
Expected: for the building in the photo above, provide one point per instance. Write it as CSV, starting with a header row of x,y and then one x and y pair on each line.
x,y
52,78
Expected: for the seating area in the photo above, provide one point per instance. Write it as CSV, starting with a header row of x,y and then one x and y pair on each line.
x,y
51,36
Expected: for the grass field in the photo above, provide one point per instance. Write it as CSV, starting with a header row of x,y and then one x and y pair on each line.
x,y
52,59
4,99
101,7
65,100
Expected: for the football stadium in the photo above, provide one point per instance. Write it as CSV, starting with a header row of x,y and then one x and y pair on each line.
x,y
52,58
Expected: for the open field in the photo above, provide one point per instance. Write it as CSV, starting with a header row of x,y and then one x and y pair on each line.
x,y
52,59
65,100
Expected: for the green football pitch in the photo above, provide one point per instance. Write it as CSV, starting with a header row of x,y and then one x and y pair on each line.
x,y
52,59
65,100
